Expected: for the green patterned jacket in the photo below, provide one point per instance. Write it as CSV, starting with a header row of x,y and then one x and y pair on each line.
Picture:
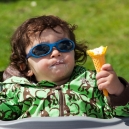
x,y
78,97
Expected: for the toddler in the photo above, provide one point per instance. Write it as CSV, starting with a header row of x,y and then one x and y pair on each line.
x,y
49,80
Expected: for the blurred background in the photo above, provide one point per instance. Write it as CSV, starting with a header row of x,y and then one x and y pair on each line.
x,y
100,23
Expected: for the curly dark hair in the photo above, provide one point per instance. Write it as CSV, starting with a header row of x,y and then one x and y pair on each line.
x,y
21,39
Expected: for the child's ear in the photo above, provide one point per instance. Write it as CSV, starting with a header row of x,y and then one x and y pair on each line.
x,y
29,73
22,66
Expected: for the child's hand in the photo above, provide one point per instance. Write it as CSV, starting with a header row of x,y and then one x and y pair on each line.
x,y
107,79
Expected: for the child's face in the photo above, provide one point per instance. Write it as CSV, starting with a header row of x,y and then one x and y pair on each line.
x,y
56,66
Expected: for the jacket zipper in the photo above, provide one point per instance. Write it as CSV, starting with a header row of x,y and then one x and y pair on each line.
x,y
61,101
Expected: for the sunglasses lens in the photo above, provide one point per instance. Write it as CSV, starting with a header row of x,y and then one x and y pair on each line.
x,y
65,46
41,50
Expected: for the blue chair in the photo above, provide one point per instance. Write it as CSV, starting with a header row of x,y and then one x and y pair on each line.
x,y
66,123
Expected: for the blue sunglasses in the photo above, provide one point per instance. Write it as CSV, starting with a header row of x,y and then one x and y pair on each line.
x,y
43,49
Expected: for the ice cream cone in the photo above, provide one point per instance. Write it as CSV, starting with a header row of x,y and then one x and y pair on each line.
x,y
98,60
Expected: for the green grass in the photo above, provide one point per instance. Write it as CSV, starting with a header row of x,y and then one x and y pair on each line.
x,y
100,22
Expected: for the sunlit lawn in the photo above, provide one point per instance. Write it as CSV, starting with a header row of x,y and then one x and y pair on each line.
x,y
100,22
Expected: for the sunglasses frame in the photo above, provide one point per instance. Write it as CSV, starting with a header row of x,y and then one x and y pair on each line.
x,y
51,45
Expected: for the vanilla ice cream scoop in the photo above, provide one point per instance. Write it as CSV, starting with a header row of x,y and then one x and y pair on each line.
x,y
97,51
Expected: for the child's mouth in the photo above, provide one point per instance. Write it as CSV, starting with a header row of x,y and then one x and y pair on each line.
x,y
58,62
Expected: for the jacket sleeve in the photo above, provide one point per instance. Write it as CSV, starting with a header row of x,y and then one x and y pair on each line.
x,y
120,104
9,107
123,98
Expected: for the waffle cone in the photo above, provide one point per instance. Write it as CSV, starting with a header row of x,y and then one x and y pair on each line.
x,y
98,62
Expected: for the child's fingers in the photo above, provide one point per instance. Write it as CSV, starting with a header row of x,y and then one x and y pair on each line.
x,y
107,67
102,74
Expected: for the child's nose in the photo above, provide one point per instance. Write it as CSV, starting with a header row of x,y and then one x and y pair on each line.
x,y
55,53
